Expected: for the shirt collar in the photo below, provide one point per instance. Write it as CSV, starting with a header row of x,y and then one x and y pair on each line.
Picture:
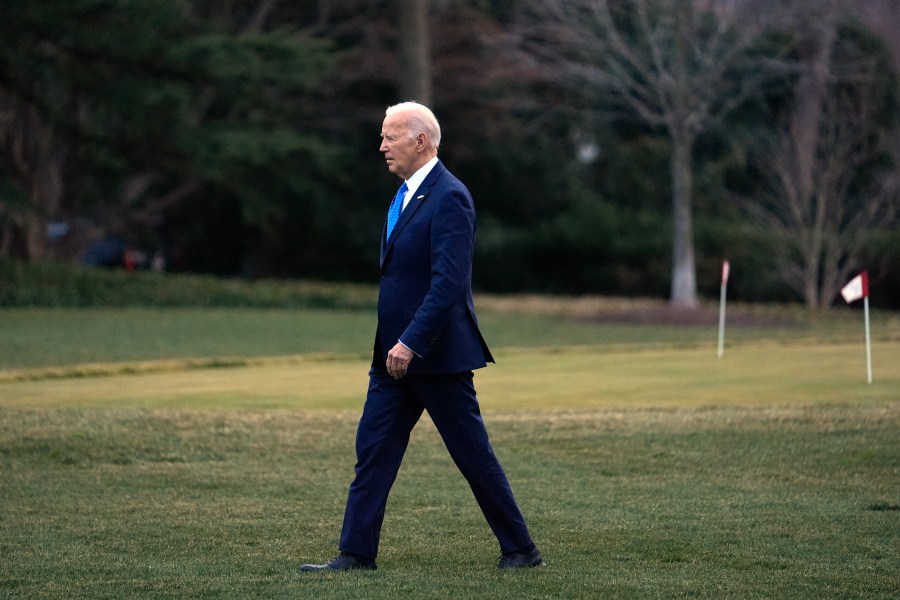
x,y
413,183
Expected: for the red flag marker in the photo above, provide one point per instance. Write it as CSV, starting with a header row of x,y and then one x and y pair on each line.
x,y
726,267
857,288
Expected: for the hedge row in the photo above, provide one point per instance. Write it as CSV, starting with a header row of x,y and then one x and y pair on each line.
x,y
62,285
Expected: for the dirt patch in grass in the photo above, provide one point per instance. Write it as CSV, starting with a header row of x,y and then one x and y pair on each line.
x,y
664,314
641,311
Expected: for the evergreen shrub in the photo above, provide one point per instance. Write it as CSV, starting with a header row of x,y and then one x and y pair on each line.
x,y
49,284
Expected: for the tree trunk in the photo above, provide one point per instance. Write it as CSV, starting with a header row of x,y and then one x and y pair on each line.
x,y
35,237
684,270
808,94
38,160
415,51
804,132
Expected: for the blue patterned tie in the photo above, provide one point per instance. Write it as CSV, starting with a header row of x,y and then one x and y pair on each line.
x,y
394,210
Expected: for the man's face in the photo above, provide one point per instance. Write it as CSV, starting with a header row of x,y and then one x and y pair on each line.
x,y
400,151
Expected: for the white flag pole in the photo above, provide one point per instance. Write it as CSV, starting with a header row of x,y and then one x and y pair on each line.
x,y
868,340
725,269
857,288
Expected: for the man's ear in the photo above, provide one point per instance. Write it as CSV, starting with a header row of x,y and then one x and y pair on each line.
x,y
421,142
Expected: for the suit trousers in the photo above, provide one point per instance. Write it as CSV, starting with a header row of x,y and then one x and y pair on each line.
x,y
392,409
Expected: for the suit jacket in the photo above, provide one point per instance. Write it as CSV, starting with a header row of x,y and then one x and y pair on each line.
x,y
425,294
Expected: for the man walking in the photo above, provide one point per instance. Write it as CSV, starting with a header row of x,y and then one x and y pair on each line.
x,y
427,344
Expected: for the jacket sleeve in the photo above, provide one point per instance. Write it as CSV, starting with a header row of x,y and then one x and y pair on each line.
x,y
452,244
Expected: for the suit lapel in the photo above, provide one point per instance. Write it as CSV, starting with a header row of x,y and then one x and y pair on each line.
x,y
412,206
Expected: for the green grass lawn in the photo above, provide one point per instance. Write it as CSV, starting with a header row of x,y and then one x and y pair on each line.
x,y
41,337
646,467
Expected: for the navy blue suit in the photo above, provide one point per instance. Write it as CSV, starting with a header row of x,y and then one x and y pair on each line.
x,y
425,301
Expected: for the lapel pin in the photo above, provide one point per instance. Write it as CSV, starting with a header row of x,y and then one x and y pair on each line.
x,y
420,197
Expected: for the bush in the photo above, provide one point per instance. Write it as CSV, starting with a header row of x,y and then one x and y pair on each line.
x,y
61,285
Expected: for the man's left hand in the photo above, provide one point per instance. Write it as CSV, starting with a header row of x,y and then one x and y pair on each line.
x,y
398,360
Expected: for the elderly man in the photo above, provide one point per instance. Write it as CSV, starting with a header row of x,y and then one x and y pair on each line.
x,y
427,344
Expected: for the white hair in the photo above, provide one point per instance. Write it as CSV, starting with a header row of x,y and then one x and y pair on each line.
x,y
421,120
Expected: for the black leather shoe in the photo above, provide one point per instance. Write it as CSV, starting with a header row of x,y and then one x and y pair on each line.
x,y
341,562
521,560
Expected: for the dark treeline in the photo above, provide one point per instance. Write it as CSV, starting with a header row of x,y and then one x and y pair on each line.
x,y
240,138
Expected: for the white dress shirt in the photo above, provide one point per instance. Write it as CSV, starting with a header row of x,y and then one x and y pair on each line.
x,y
413,183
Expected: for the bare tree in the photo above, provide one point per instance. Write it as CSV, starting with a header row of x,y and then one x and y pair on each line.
x,y
832,174
673,64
